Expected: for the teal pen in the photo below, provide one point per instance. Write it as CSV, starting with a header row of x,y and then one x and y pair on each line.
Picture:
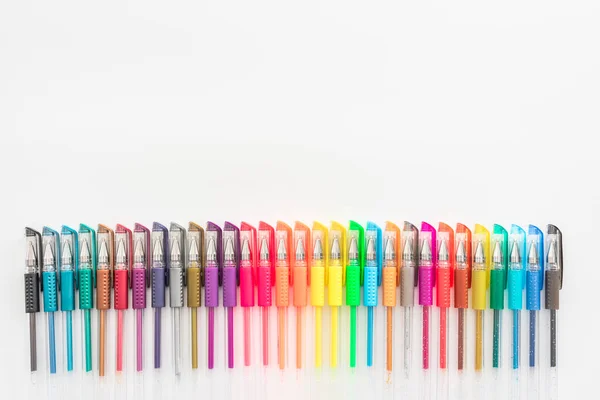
x,y
85,284
51,255
69,245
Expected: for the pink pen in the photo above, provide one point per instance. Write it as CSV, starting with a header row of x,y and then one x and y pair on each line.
x,y
139,282
265,273
427,263
231,260
212,278
247,281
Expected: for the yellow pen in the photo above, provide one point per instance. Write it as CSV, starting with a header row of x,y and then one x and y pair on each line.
x,y
335,274
317,286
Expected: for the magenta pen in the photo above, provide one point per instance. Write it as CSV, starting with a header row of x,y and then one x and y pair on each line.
x,y
212,279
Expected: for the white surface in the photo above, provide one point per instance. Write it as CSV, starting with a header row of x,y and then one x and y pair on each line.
x,y
457,111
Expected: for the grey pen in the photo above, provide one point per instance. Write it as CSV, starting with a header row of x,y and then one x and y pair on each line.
x,y
408,282
33,245
176,287
552,286
159,278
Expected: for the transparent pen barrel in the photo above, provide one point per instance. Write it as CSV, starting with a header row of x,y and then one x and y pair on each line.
x,y
177,341
442,377
515,386
426,391
300,337
407,340
282,344
68,340
229,331
389,345
553,367
533,374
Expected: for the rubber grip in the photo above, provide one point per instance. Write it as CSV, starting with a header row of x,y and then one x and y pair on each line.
x,y
317,286
479,284
176,287
32,293
426,286
300,284
229,287
389,287
515,289
497,289
193,287
335,285
50,299
533,292
282,286
461,288
552,291
442,283
67,290
103,289
86,289
158,287
264,286
407,286
121,292
353,285
246,287
138,282
370,285
211,287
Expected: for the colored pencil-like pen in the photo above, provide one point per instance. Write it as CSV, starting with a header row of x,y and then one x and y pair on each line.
x,y
212,271
318,276
265,273
176,282
158,276
515,285
50,269
408,282
479,276
300,280
499,248
105,244
247,283
86,283
390,280
443,283
553,284
335,278
33,246
427,266
231,262
352,280
462,283
123,262
283,237
194,284
534,277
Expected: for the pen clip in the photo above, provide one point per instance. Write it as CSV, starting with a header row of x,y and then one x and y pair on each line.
x,y
302,232
553,233
33,239
69,235
88,235
160,233
214,232
392,232
410,232
196,232
230,231
51,238
356,231
141,233
122,233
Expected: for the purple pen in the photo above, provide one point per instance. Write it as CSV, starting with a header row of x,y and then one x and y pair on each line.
x,y
160,240
139,282
231,260
212,279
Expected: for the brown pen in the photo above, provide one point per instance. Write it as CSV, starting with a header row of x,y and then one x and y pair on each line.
x,y
105,245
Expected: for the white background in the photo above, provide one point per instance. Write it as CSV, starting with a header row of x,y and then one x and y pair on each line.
x,y
463,111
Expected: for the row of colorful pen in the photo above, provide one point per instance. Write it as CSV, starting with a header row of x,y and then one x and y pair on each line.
x,y
297,269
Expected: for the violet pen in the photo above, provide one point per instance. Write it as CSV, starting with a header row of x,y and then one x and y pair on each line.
x,y
159,276
176,284
231,245
211,283
139,282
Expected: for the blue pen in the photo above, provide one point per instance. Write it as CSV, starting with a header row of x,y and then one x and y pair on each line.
x,y
516,284
69,245
51,257
372,279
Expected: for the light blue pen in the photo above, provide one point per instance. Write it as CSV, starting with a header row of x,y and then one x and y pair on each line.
x,y
69,244
534,277
50,244
372,279
516,284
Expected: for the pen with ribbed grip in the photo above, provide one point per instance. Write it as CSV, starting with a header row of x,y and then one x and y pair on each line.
x,y
50,269
105,245
390,280
86,282
371,277
265,281
335,273
123,262
212,276
176,281
158,277
300,280
427,267
515,277
33,265
352,280
247,282
68,275
194,283
534,279
480,283
231,262
140,280
443,283
318,276
553,284
462,284
408,281
499,251
283,237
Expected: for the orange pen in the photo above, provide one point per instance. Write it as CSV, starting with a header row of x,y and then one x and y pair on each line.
x,y
283,235
299,280
391,280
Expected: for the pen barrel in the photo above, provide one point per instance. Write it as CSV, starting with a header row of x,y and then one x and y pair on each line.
x,y
264,286
193,287
443,287
389,286
407,286
317,286
335,285
49,289
229,286
552,291
497,285
300,286
370,286
158,287
426,277
352,285
515,285
67,290
176,288
246,287
461,288
86,289
138,282
32,293
533,290
103,289
211,287
282,286
121,290
479,284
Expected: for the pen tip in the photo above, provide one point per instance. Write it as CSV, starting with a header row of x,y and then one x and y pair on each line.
x,y
515,255
264,250
194,253
390,252
479,254
85,251
175,250
138,253
300,251
157,251
318,250
497,254
121,256
352,249
533,257
281,250
31,256
48,255
443,254
245,250
425,254
407,252
461,254
229,252
371,254
335,249
211,250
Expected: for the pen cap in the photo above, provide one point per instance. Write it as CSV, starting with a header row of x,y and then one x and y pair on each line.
x,y
409,268
159,249
33,266
104,273
50,276
86,278
302,252
499,255
392,234
69,245
481,266
534,274
141,235
248,264
463,264
283,246
231,262
123,262
177,264
516,270
445,267
195,259
318,267
554,267
427,263
335,266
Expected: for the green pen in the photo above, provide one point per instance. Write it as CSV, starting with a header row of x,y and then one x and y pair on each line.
x,y
499,247
87,282
356,262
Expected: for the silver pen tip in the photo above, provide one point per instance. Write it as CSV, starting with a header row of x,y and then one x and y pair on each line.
x,y
211,250
352,249
67,255
264,250
425,254
300,252
138,253
121,257
85,252
533,257
479,255
552,255
371,254
31,257
194,253
497,254
335,249
245,250
281,250
48,255
443,254
407,252
103,253
515,255
229,252
175,250
461,254
318,250
390,252
157,251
